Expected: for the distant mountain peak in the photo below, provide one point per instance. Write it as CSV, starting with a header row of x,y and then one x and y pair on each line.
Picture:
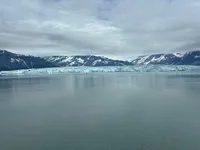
x,y
85,60
4,51
12,61
188,58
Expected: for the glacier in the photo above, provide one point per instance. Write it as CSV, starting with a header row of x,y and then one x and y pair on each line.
x,y
82,69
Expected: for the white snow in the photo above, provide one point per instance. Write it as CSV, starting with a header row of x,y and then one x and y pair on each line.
x,y
142,60
67,59
139,68
105,62
18,60
62,59
80,60
12,60
54,58
154,59
179,54
72,63
196,56
158,59
25,63
96,61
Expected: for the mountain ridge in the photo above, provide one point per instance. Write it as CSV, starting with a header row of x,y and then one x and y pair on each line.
x,y
85,60
12,61
188,58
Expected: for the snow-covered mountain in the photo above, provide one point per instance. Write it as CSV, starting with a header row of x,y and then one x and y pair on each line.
x,y
86,60
189,58
11,61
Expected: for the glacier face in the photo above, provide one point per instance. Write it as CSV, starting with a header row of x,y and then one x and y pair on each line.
x,y
64,70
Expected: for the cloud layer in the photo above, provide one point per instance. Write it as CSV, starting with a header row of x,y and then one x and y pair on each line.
x,y
115,28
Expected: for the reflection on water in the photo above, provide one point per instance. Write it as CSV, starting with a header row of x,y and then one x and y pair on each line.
x,y
98,111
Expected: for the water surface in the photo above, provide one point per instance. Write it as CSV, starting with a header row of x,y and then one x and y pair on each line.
x,y
101,111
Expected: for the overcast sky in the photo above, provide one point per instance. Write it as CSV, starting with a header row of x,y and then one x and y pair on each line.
x,y
114,28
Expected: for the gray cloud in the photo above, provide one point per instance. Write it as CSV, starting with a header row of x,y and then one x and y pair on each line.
x,y
113,28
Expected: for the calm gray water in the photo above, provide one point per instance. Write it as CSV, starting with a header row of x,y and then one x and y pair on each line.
x,y
101,111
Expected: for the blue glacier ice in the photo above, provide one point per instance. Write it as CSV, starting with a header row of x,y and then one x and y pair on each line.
x,y
139,68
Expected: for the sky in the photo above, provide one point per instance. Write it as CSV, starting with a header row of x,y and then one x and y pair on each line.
x,y
113,28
